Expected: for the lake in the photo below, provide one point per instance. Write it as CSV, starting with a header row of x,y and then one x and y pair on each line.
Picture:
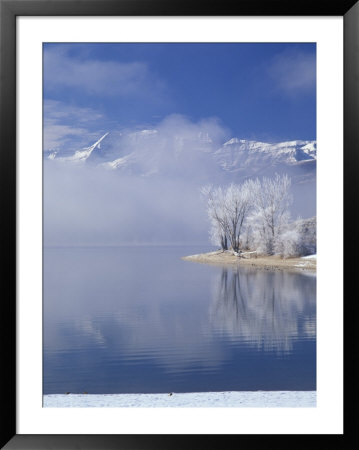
x,y
141,320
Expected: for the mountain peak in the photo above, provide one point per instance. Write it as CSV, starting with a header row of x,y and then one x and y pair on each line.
x,y
80,155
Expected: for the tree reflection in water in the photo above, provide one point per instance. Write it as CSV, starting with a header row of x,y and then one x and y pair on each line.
x,y
264,308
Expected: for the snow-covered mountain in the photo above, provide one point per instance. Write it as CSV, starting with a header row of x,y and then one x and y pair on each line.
x,y
150,153
79,155
245,158
239,154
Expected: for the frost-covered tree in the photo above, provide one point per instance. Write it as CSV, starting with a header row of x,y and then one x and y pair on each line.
x,y
272,199
217,215
228,209
217,237
254,215
237,204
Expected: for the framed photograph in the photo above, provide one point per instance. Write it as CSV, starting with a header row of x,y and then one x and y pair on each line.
x,y
171,173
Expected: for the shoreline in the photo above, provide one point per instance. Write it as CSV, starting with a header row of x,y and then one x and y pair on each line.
x,y
251,259
234,399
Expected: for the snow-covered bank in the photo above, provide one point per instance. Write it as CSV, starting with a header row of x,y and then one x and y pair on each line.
x,y
251,259
257,399
310,257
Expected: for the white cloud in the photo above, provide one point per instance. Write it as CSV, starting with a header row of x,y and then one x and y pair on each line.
x,y
56,136
294,71
66,123
59,110
95,77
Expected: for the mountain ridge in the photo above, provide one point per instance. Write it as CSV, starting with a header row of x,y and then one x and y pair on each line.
x,y
149,153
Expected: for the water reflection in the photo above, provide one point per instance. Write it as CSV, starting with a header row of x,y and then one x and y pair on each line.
x,y
139,320
267,309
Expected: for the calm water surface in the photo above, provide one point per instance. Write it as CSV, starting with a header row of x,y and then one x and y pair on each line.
x,y
140,319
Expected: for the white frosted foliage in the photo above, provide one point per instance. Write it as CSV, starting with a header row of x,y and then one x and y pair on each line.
x,y
255,215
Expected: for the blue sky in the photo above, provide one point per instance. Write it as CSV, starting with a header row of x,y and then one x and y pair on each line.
x,y
254,91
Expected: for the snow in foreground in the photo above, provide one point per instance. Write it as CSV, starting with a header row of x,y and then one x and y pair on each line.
x,y
257,399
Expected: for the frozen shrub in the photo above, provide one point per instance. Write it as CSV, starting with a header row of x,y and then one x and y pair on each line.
x,y
307,229
288,244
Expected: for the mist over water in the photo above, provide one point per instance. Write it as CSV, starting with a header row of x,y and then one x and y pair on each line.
x,y
153,195
92,206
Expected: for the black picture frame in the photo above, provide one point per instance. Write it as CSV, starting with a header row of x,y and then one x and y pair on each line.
x,y
9,10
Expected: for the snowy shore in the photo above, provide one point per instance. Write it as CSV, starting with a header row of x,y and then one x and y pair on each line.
x,y
256,399
251,259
